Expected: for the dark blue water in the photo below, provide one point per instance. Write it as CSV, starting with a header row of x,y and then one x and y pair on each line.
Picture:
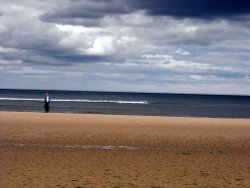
x,y
127,103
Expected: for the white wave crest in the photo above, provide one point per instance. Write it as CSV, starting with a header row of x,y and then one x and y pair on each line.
x,y
77,100
20,99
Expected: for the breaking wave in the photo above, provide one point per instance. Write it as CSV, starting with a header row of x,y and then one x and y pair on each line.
x,y
76,100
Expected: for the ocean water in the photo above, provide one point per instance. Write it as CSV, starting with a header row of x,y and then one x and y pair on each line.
x,y
184,105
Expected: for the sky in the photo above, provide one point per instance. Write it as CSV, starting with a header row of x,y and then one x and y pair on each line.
x,y
169,46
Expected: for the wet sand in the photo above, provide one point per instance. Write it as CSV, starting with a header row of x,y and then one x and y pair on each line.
x,y
80,150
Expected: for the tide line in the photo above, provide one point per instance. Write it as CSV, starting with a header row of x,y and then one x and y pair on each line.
x,y
70,146
78,146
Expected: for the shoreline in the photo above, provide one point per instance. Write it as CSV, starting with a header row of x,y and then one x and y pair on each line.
x,y
93,150
67,114
129,115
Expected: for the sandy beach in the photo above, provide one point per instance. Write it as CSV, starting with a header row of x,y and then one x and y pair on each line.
x,y
89,150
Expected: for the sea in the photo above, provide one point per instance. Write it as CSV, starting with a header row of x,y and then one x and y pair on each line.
x,y
127,103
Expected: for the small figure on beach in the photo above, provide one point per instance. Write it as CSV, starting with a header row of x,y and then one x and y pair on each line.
x,y
46,102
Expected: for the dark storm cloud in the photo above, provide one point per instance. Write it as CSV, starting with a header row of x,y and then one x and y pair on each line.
x,y
202,9
85,12
90,12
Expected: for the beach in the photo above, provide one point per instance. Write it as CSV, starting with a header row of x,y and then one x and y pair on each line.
x,y
90,150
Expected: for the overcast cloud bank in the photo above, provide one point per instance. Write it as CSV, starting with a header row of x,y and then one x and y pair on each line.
x,y
185,46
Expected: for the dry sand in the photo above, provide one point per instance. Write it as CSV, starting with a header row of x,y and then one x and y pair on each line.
x,y
66,150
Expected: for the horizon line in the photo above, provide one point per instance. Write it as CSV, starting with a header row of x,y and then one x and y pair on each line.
x,y
142,92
